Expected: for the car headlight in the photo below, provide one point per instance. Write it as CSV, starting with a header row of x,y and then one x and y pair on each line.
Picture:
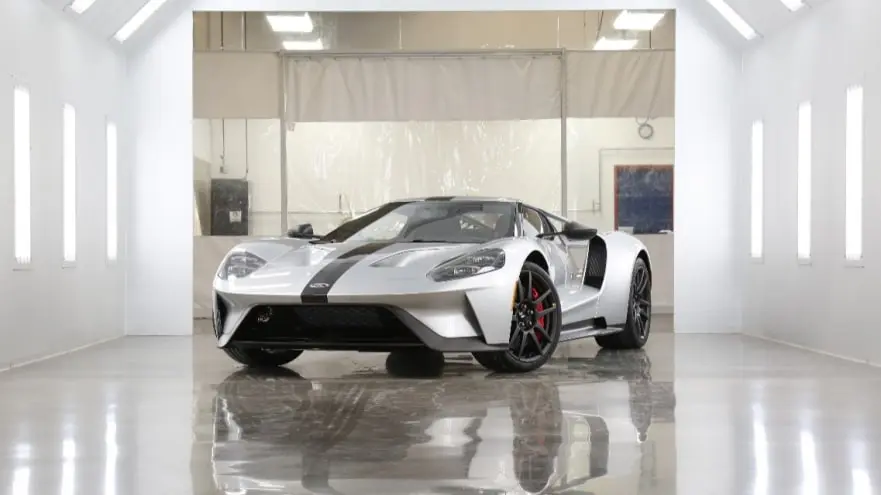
x,y
239,265
468,265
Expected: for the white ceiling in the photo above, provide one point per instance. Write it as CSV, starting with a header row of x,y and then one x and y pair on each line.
x,y
105,17
768,16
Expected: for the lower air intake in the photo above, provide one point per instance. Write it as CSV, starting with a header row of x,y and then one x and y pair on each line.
x,y
326,325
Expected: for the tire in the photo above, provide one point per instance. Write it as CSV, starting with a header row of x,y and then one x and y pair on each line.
x,y
260,358
536,319
639,312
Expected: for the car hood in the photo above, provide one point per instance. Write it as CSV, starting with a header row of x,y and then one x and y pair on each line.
x,y
308,258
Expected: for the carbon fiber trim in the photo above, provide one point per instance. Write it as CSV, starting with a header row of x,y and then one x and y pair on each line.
x,y
595,271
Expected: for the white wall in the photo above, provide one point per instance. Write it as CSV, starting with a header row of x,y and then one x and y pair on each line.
x,y
159,281
707,267
707,73
826,305
45,309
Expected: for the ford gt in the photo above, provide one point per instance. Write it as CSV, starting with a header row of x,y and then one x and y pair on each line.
x,y
497,278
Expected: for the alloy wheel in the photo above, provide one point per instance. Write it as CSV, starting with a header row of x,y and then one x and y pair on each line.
x,y
641,300
532,319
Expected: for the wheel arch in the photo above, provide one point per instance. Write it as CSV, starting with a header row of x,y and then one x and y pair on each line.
x,y
623,252
539,259
644,255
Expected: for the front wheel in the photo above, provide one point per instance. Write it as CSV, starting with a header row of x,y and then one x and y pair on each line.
x,y
261,358
639,312
535,325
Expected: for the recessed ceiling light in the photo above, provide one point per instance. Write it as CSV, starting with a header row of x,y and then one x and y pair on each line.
x,y
734,19
637,21
614,44
80,6
290,23
793,5
303,45
138,20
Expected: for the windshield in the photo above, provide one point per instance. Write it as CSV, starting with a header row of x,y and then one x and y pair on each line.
x,y
430,221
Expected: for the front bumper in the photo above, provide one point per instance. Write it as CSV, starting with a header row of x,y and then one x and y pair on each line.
x,y
470,321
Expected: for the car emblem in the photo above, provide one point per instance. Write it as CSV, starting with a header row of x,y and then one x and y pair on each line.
x,y
319,285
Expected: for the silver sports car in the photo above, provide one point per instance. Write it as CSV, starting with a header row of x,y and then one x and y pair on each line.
x,y
493,277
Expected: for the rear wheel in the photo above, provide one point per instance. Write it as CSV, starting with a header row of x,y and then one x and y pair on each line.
x,y
639,312
261,358
535,325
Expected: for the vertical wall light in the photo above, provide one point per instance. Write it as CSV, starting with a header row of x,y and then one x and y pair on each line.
x,y
803,179
757,189
22,174
68,164
853,175
112,214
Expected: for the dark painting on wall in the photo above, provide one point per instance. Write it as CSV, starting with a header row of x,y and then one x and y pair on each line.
x,y
644,198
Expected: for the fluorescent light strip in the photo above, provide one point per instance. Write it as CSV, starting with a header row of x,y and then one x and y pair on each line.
x,y
138,19
112,214
80,6
637,21
290,23
793,5
604,44
853,175
303,45
757,190
69,183
22,174
803,178
734,19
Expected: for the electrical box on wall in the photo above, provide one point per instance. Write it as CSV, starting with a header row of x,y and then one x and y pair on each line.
x,y
229,207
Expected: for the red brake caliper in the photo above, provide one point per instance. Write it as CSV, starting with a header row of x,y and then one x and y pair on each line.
x,y
538,308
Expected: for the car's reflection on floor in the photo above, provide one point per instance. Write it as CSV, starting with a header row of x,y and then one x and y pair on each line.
x,y
431,426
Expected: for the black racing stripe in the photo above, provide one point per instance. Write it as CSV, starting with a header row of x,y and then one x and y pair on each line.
x,y
320,284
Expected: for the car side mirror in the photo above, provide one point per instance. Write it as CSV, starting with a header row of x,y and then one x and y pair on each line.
x,y
573,231
302,231
577,232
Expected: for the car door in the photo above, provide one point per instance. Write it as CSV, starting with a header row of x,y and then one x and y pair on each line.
x,y
534,223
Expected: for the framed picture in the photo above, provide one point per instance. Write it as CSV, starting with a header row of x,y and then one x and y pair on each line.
x,y
644,198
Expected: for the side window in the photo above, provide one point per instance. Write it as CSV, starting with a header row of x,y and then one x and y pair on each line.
x,y
556,226
532,222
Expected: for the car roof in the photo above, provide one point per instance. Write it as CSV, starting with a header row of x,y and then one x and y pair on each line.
x,y
552,216
462,198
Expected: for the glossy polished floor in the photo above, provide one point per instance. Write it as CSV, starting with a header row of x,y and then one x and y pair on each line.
x,y
693,414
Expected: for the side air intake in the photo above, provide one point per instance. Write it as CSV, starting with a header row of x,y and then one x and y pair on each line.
x,y
595,271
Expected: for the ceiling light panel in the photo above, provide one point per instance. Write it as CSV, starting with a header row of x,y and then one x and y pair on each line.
x,y
793,5
638,21
734,19
303,45
614,44
138,19
80,6
290,23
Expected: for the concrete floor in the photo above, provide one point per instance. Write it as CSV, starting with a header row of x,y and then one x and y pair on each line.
x,y
693,414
